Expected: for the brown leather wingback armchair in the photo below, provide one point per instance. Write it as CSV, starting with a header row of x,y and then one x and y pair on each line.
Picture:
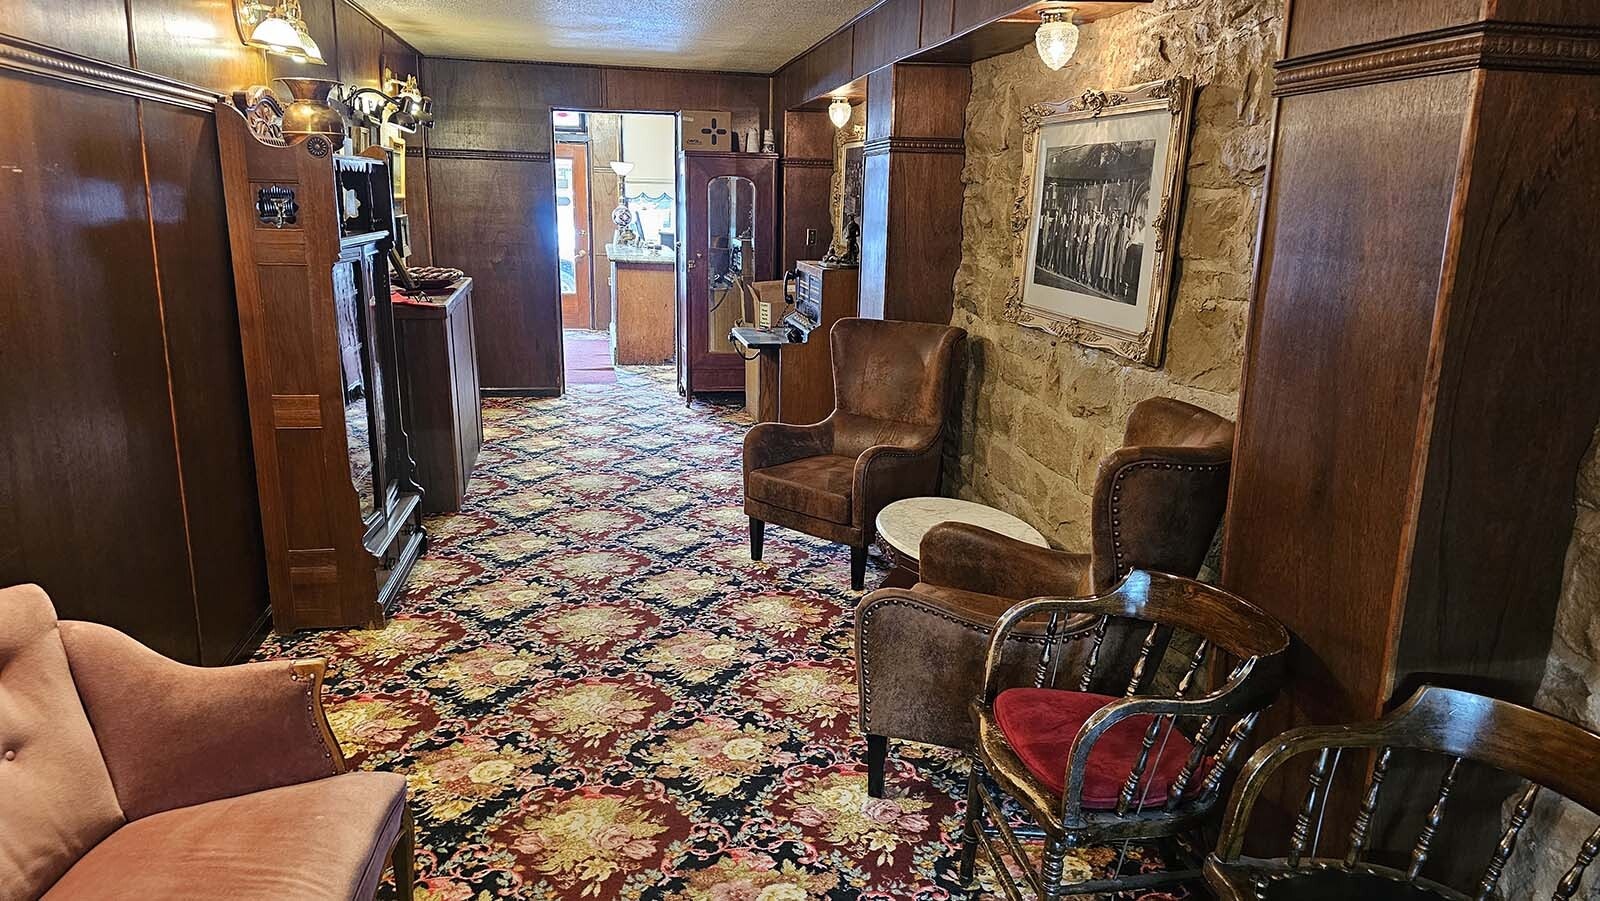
x,y
882,443
920,650
126,775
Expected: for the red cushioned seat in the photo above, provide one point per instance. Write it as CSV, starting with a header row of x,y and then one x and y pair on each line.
x,y
1041,723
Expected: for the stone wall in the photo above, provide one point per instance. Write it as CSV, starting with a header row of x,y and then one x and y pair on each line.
x,y
1039,413
1572,675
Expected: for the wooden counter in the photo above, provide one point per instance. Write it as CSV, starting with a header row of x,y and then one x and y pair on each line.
x,y
439,388
643,296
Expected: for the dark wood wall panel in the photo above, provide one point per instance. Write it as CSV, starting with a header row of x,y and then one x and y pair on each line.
x,y
89,491
937,16
885,35
504,106
93,28
212,420
320,24
970,14
1342,325
1322,25
197,43
643,90
1574,12
420,209
496,220
360,46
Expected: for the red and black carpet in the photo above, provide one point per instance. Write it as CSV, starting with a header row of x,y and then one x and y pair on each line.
x,y
596,694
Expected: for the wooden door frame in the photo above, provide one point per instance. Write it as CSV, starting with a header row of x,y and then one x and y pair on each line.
x,y
583,252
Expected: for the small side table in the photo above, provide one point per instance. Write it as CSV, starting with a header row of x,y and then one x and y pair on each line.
x,y
902,524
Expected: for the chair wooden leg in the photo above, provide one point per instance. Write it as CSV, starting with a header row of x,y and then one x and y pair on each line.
x,y
404,858
858,567
877,758
758,531
971,824
1055,857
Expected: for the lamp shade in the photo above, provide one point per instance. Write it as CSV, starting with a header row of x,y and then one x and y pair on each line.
x,y
279,34
623,168
313,52
839,112
1057,38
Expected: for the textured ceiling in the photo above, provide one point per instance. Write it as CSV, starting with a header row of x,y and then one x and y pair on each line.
x,y
728,35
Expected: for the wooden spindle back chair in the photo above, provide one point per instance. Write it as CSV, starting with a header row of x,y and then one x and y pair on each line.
x,y
1549,753
1096,769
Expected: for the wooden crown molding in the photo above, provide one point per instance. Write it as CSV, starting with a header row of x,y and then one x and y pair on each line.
x,y
879,146
18,55
803,162
1482,45
515,156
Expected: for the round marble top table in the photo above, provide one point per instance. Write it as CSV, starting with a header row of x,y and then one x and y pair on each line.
x,y
902,524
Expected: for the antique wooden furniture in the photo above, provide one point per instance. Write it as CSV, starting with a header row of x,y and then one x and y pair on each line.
x,y
1451,727
884,441
310,232
1157,503
823,296
128,775
1146,764
902,525
642,316
1418,393
439,390
725,208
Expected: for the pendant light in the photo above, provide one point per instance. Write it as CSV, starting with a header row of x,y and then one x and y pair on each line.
x,y
839,112
1057,38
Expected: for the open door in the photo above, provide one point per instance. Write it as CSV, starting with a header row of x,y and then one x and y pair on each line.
x,y
572,219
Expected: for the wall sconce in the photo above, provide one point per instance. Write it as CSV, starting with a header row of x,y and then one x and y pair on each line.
x,y
1057,38
839,112
276,28
411,111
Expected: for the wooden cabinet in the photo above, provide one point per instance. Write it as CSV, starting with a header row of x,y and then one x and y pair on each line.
x,y
726,207
805,370
310,233
439,391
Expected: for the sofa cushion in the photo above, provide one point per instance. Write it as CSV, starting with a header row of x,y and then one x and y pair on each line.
x,y
1040,724
317,840
56,798
815,486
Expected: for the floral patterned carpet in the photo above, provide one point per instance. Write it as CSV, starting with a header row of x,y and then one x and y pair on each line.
x,y
594,692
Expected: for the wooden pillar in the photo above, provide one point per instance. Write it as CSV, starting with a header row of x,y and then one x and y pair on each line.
x,y
911,205
807,172
1420,388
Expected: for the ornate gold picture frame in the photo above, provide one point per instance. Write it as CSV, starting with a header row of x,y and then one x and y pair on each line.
x,y
1095,224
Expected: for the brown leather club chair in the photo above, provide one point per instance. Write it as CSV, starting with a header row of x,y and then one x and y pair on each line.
x,y
920,650
125,775
882,443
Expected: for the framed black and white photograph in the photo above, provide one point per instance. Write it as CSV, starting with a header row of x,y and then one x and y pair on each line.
x,y
1096,216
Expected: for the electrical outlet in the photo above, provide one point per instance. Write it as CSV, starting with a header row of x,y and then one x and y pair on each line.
x,y
811,236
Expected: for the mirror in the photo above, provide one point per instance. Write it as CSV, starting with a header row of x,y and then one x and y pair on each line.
x,y
730,252
357,390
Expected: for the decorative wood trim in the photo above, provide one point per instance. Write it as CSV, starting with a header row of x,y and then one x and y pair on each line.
x,y
415,151
893,144
798,162
515,156
1482,45
18,55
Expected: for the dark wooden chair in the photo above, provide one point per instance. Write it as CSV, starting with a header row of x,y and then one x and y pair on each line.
x,y
1145,767
1547,752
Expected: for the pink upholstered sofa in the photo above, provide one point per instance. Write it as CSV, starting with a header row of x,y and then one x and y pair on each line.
x,y
125,775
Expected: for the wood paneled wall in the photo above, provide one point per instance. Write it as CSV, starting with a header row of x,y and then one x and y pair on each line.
x,y
806,185
127,484
492,188
1418,394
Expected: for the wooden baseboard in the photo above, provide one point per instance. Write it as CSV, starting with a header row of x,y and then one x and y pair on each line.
x,y
520,392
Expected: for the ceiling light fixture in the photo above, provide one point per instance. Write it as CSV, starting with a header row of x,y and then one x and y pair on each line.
x,y
277,28
1057,38
839,112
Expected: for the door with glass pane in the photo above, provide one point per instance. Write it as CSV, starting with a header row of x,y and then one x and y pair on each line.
x,y
572,229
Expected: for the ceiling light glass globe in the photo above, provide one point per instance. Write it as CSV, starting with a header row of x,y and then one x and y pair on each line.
x,y
1057,39
839,112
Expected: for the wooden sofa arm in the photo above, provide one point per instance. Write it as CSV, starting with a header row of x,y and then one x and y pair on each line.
x,y
175,735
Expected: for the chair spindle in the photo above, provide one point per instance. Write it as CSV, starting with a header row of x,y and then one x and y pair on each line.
x,y
1301,837
1360,833
1136,775
1094,653
1140,665
1195,663
1570,882
1430,826
1197,755
1048,658
1508,843
1231,746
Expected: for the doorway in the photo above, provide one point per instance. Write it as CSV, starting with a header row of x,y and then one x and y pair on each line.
x,y
619,281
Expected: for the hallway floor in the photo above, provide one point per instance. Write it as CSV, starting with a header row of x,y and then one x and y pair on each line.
x,y
596,694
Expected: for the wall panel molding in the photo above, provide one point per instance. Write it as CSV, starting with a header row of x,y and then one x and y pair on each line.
x,y
513,156
18,55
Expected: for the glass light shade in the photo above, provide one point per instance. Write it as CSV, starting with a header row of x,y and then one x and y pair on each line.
x,y
1057,39
278,33
623,168
839,112
313,52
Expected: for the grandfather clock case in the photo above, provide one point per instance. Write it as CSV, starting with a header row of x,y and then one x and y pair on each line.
x,y
311,232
